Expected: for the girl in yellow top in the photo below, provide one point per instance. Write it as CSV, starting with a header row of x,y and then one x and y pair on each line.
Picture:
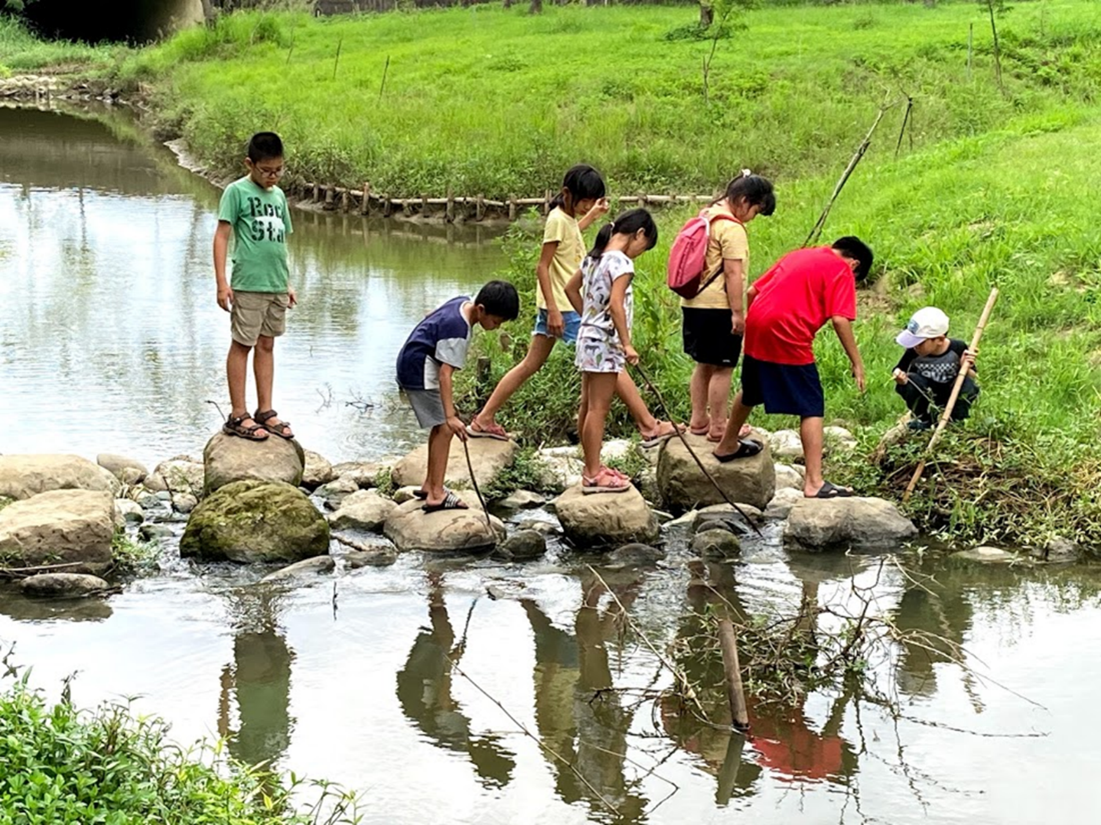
x,y
715,319
563,250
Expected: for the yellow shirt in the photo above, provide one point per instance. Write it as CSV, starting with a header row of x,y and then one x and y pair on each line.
x,y
563,230
728,241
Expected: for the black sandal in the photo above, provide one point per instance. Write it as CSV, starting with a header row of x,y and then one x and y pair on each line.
x,y
236,426
422,495
450,502
275,429
829,490
746,449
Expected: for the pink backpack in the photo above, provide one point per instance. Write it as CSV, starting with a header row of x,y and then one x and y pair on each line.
x,y
688,256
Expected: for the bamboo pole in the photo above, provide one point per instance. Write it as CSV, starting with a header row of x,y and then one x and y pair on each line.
x,y
735,692
947,414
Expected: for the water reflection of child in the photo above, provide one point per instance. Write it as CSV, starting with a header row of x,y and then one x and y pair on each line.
x,y
927,371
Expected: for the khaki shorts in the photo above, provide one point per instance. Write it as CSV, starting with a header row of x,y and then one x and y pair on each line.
x,y
258,313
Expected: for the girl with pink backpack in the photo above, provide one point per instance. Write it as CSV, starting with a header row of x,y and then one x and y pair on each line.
x,y
708,265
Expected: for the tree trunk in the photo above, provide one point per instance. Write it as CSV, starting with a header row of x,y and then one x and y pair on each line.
x,y
707,16
508,4
208,12
536,7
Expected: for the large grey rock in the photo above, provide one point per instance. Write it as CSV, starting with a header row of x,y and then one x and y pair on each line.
x,y
227,458
184,502
154,532
63,585
445,531
23,476
788,476
634,554
127,470
522,545
181,474
603,519
316,470
307,567
362,510
559,467
369,557
716,544
363,473
837,440
786,444
725,517
522,500
255,521
59,527
1059,549
487,455
819,523
684,486
783,501
336,491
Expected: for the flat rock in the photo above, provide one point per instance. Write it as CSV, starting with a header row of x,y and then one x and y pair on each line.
x,y
23,476
786,498
786,444
716,544
1059,549
488,456
63,585
363,473
725,517
404,494
380,557
127,470
522,545
445,531
522,500
603,519
227,458
819,523
788,476
362,510
635,554
560,467
130,511
59,527
985,553
683,486
336,491
255,521
154,532
838,440
316,470
307,567
184,502
177,475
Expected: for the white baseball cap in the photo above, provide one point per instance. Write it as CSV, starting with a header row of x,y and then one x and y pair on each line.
x,y
927,322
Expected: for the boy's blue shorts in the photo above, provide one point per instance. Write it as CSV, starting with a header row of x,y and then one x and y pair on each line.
x,y
571,319
784,389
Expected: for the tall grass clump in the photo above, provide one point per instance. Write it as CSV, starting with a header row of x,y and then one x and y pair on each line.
x,y
112,765
21,50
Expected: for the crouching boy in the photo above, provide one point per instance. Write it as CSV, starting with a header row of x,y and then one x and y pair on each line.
x,y
435,348
927,371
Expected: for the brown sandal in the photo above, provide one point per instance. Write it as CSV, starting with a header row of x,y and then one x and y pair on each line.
x,y
279,429
236,426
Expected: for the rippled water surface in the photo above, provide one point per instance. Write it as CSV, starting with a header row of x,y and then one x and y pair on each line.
x,y
413,684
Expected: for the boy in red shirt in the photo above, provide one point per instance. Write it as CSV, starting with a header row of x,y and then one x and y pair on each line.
x,y
786,308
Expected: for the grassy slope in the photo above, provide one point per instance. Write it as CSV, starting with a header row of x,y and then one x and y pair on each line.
x,y
495,101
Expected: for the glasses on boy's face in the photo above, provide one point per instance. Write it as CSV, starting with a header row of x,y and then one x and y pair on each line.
x,y
270,173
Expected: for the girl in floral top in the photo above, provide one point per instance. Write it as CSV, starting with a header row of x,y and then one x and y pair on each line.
x,y
601,292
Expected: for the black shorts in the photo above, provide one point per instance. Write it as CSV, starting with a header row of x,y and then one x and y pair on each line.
x,y
785,389
708,339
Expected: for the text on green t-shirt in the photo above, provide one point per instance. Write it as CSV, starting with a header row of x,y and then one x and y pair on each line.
x,y
261,222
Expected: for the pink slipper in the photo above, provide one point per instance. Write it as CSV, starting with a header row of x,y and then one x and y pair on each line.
x,y
494,430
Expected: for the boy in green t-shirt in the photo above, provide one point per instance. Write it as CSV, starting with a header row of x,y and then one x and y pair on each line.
x,y
254,211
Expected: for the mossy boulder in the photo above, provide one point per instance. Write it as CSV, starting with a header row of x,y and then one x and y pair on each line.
x,y
255,521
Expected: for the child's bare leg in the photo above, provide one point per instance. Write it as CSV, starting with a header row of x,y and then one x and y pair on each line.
x,y
237,375
601,388
718,391
628,393
263,364
739,414
538,352
439,446
698,392
583,408
810,431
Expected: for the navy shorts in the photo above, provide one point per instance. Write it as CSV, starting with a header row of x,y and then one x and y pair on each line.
x,y
784,389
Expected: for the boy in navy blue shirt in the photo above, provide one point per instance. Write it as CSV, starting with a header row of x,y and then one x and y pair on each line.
x,y
434,350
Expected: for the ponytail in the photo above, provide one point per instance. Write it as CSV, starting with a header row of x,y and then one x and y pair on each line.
x,y
626,224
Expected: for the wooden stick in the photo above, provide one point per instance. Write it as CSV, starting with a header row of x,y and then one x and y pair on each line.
x,y
735,692
691,452
947,414
860,150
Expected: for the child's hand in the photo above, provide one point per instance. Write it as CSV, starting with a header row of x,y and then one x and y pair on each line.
x,y
858,374
457,427
631,354
225,297
737,321
967,361
556,325
600,208
900,376
293,296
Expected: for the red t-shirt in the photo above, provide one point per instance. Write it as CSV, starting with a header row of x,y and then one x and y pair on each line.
x,y
802,291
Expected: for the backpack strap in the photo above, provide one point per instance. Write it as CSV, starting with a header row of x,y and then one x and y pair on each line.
x,y
718,216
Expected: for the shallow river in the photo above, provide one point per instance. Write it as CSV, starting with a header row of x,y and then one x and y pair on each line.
x,y
110,340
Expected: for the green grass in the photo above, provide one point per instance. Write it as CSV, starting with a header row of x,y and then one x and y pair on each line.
x,y
112,765
493,101
21,51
